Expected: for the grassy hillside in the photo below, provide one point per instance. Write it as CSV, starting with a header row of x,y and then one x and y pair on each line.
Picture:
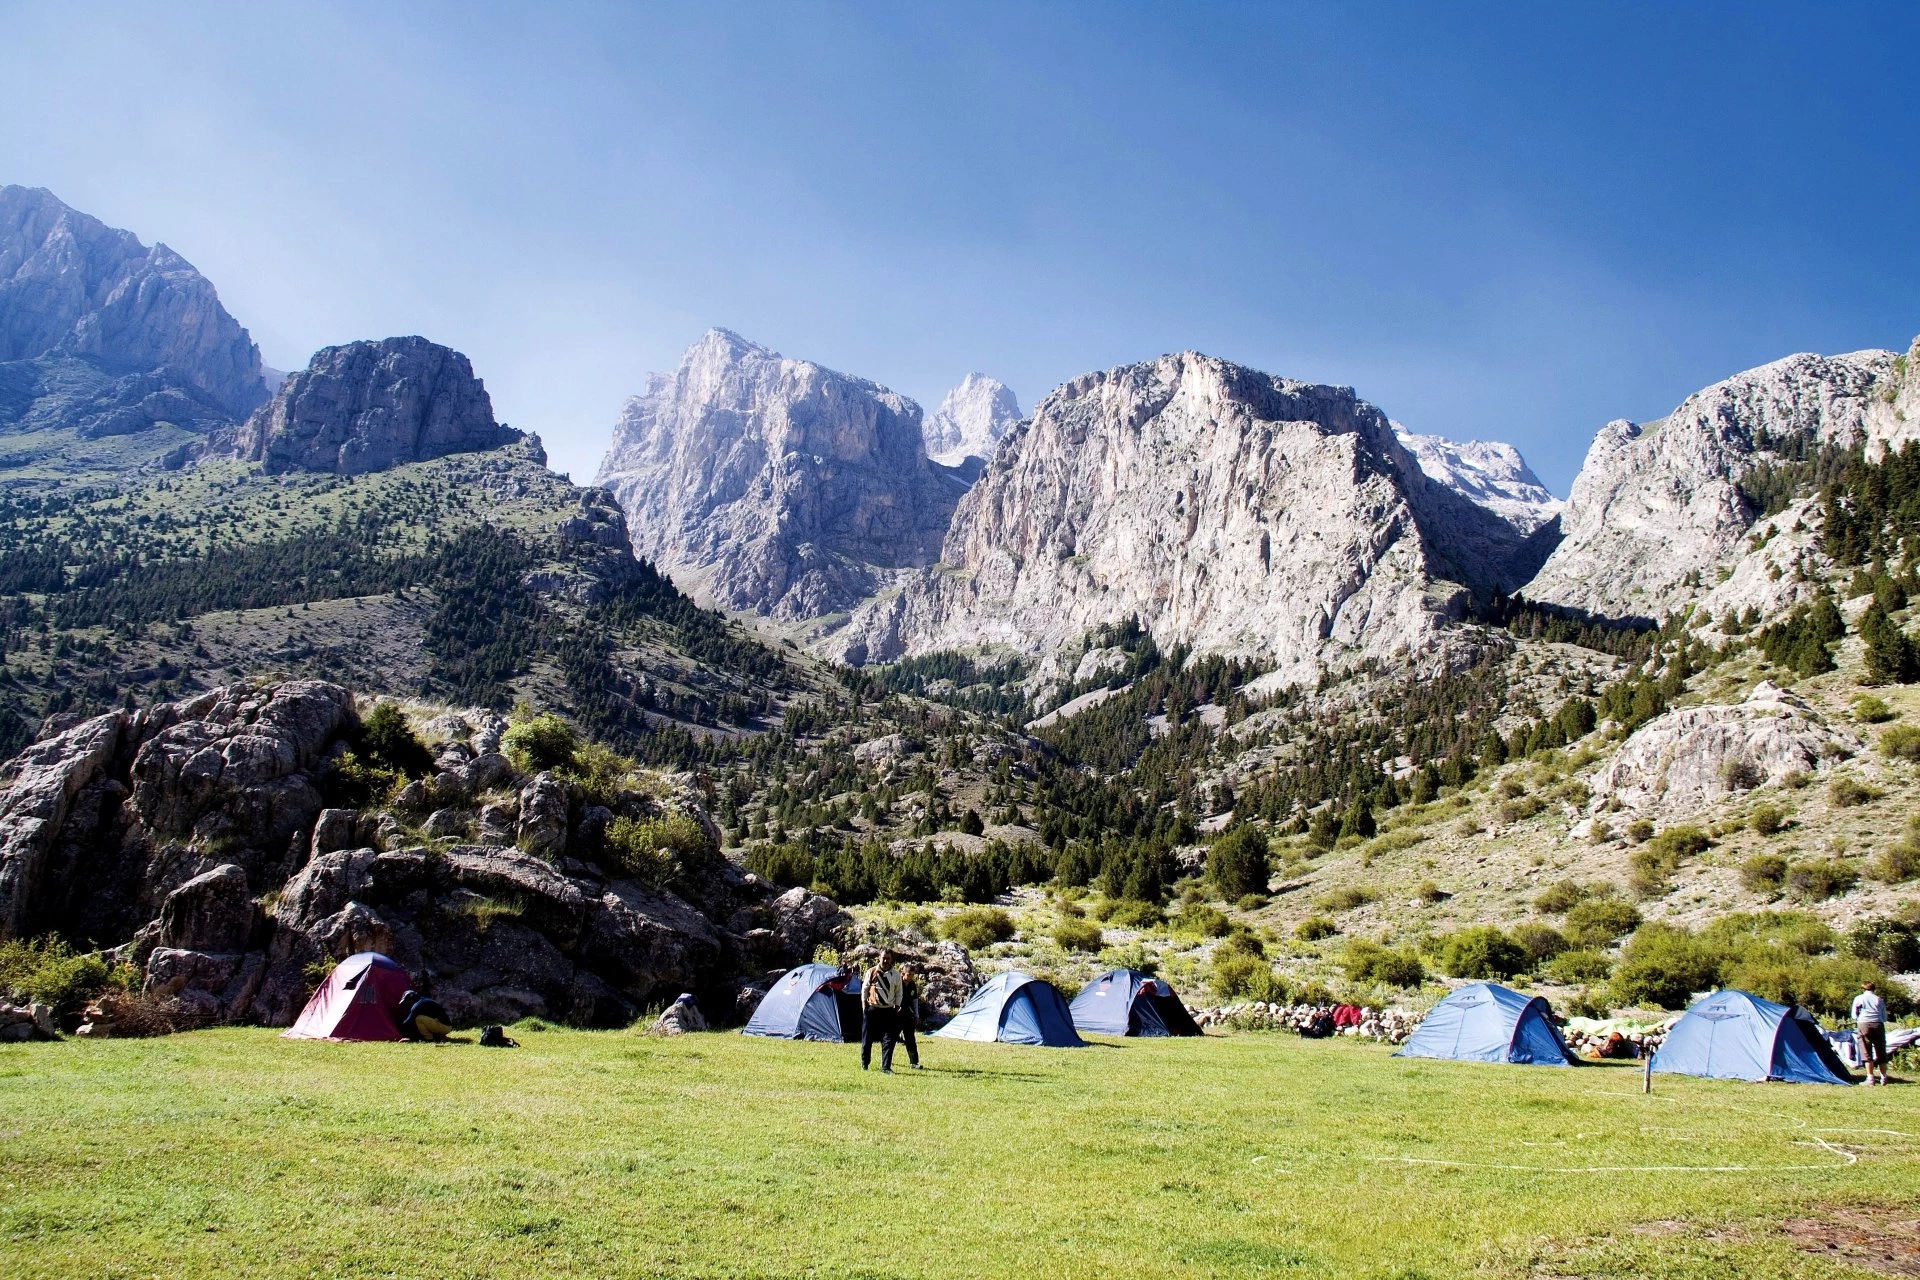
x,y
596,1154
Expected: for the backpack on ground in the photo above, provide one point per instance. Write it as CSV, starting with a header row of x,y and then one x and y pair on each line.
x,y
497,1038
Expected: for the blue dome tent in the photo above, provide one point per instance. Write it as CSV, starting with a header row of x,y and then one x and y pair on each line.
x,y
1126,1002
1485,1022
1732,1035
812,1002
1016,1008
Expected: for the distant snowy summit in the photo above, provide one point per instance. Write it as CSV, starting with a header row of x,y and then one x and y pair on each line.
x,y
971,421
1485,472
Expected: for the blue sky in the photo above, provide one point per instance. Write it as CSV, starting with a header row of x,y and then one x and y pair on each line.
x,y
1496,222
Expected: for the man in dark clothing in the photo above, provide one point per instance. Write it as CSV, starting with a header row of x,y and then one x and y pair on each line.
x,y
910,1013
423,1018
881,993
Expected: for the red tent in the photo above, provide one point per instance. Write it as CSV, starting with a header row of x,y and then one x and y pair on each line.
x,y
360,1000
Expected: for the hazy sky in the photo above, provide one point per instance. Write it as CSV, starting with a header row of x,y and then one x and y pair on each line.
x,y
1505,223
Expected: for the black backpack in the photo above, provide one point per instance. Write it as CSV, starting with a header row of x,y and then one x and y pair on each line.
x,y
497,1038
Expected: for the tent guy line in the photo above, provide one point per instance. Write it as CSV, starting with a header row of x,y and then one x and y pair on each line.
x,y
1848,1158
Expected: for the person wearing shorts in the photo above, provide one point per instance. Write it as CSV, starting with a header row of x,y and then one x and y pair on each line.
x,y
1870,1031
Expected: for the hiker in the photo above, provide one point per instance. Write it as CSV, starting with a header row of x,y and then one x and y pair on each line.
x,y
423,1017
1870,1030
880,997
910,1014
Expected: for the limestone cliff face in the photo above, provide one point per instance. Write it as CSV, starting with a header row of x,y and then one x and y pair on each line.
x,y
72,287
1656,512
775,485
1228,509
1488,474
368,406
972,420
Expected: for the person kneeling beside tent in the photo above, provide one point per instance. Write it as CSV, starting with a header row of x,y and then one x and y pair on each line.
x,y
423,1017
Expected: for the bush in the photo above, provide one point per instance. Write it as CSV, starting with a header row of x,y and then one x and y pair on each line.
x,y
1598,921
52,973
1239,863
1201,920
1681,842
1346,899
1369,962
1763,873
1897,863
1520,810
1430,893
1539,941
1314,928
1869,709
1653,864
1824,984
1251,902
1892,944
1639,831
1481,952
1818,881
972,824
1767,819
1237,975
657,851
1583,965
1559,898
978,927
1663,966
386,741
1848,793
1078,935
1127,914
1902,742
541,742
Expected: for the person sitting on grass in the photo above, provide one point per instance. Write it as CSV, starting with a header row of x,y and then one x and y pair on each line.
x,y
423,1018
1870,1030
880,996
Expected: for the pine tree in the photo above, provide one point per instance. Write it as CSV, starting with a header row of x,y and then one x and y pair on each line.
x,y
1891,654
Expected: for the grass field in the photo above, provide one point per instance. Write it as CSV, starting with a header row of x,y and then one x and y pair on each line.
x,y
608,1154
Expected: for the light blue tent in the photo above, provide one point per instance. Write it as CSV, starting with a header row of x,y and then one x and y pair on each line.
x,y
1016,1008
812,1002
1485,1022
1732,1035
1126,1002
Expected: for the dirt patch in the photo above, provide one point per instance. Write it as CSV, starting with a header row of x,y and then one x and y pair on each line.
x,y
1883,1240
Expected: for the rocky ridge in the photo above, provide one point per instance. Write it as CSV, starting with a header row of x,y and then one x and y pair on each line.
x,y
1487,473
369,406
775,485
1227,509
971,421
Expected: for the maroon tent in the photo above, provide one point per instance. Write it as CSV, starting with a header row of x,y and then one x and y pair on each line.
x,y
360,1000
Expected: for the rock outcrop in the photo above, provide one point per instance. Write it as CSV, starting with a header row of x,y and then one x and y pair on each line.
x,y
1488,474
1685,760
368,406
1224,508
72,287
971,421
775,485
1657,510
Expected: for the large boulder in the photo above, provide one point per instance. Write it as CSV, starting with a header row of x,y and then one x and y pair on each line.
x,y
211,912
1685,760
803,921
544,805
43,781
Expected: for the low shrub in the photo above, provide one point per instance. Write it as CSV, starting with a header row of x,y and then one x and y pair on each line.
x,y
1896,864
1078,935
657,851
1582,965
1598,921
47,970
1430,893
1520,810
1639,831
386,741
1346,899
1763,873
978,927
1202,920
1849,793
541,742
1869,709
1892,944
1540,941
1481,952
1902,742
1767,819
1314,928
1369,962
1560,897
1251,902
1818,881
1651,866
1128,914
1239,976
1663,966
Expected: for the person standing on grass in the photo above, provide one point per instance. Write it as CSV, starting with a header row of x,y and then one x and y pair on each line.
x,y
1870,1030
910,1013
881,993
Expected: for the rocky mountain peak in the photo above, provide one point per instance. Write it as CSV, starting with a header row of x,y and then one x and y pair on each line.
x,y
1487,473
772,484
972,420
1223,507
368,406
71,286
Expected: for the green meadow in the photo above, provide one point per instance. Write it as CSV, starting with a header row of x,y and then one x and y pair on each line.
x,y
229,1153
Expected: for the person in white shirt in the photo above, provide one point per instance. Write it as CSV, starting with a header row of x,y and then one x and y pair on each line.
x,y
1870,1029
